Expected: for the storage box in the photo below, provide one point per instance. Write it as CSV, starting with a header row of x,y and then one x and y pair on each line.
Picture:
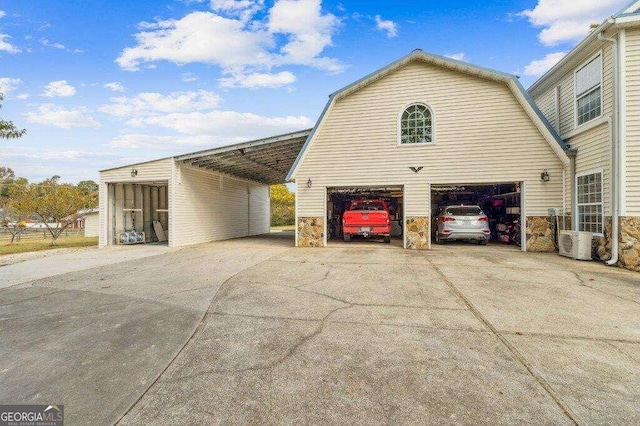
x,y
513,210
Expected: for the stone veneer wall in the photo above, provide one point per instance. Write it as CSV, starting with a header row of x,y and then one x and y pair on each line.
x,y
418,232
310,232
629,254
540,234
602,245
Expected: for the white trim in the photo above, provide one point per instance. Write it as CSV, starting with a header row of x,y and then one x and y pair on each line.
x,y
589,125
314,133
433,125
575,184
537,121
523,216
556,105
429,216
622,123
575,94
324,220
295,214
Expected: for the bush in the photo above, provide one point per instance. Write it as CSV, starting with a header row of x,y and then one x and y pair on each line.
x,y
282,206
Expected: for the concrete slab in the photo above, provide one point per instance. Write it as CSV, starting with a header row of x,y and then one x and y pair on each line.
x,y
301,372
350,334
96,339
600,383
63,262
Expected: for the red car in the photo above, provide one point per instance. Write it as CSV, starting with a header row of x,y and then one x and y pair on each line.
x,y
368,218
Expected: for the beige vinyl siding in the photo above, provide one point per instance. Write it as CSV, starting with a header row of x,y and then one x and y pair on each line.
x,y
210,207
593,144
482,135
594,153
158,170
566,86
633,124
547,105
91,225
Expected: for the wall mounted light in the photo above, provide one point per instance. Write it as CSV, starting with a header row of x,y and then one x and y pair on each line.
x,y
544,176
134,172
309,183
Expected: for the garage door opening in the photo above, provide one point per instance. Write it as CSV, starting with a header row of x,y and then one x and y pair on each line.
x,y
139,213
365,215
498,220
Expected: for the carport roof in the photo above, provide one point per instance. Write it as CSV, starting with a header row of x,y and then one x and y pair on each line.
x,y
266,160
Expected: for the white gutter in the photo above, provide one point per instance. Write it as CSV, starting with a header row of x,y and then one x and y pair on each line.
x,y
615,152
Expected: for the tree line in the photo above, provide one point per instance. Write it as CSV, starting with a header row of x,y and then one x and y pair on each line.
x,y
55,204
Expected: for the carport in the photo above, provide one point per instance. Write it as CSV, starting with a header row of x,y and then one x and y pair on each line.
x,y
203,196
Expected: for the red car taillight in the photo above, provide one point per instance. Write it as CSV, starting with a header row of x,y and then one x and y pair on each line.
x,y
484,219
446,219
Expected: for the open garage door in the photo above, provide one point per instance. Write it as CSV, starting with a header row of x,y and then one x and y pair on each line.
x,y
138,213
365,215
478,213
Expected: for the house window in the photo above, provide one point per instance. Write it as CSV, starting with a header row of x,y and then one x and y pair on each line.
x,y
416,125
588,82
590,206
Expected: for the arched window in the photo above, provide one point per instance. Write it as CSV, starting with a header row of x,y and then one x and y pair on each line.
x,y
416,125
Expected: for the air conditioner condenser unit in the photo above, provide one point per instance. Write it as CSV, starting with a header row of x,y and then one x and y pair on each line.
x,y
575,244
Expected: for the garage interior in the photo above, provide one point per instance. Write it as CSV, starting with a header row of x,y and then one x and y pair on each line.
x,y
339,199
501,202
139,213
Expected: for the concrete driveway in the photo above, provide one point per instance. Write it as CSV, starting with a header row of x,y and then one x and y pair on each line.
x,y
365,334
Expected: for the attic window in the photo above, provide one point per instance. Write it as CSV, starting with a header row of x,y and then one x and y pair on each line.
x,y
588,81
416,125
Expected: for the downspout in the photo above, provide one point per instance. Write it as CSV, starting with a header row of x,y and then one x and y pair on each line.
x,y
615,153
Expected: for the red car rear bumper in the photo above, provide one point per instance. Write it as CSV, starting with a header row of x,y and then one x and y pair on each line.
x,y
367,230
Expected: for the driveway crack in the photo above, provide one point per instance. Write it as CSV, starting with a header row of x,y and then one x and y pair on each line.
x,y
514,352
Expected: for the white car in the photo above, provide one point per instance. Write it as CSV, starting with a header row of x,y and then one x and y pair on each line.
x,y
462,223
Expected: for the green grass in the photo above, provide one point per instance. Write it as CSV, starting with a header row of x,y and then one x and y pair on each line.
x,y
38,245
283,228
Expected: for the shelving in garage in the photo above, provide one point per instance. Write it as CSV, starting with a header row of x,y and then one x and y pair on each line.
x,y
339,199
501,202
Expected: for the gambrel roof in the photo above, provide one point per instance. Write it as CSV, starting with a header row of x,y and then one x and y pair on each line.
x,y
521,95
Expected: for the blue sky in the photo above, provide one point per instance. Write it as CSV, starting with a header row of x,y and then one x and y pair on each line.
x,y
99,84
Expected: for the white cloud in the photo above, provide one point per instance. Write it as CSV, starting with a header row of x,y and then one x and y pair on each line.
x,y
8,84
258,80
197,37
210,129
49,114
45,42
146,104
390,27
456,56
243,9
114,86
308,30
5,46
228,124
22,96
58,88
188,77
295,33
159,142
569,20
540,66
3,13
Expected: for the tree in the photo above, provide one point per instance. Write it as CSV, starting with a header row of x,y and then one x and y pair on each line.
x,y
7,129
59,205
282,205
88,187
17,208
